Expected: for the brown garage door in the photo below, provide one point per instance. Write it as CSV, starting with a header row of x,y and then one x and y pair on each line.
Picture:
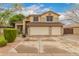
x,y
68,30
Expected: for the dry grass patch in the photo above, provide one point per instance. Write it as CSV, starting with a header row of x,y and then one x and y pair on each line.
x,y
26,49
54,50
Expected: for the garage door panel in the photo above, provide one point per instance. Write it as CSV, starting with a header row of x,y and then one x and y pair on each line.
x,y
39,30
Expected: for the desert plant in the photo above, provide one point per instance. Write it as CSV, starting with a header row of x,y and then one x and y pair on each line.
x,y
10,34
3,42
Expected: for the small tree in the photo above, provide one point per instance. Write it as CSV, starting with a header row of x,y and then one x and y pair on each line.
x,y
4,17
15,18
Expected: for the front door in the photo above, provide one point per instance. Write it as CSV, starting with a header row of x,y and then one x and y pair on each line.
x,y
26,27
26,31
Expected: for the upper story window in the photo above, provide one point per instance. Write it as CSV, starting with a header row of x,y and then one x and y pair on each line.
x,y
49,18
35,18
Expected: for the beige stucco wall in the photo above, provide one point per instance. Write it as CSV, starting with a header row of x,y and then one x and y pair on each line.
x,y
31,18
76,31
42,18
57,31
39,31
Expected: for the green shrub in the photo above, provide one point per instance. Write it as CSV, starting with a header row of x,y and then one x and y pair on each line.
x,y
10,34
3,42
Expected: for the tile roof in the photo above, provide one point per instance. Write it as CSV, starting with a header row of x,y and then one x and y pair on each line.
x,y
55,24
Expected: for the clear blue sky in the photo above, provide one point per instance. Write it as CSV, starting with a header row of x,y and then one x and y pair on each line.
x,y
57,7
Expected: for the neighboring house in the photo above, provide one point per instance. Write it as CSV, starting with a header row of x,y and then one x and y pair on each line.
x,y
67,29
46,24
76,29
71,29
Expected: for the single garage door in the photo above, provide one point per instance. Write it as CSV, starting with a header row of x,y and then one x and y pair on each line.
x,y
68,30
56,31
39,31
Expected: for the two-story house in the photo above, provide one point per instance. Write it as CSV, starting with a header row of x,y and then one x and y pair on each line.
x,y
46,24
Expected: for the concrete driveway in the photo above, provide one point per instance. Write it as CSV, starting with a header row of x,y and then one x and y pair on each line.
x,y
62,45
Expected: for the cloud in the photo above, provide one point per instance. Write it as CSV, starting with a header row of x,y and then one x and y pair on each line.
x,y
61,17
67,18
33,9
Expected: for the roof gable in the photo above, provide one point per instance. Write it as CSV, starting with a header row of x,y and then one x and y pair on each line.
x,y
50,12
44,13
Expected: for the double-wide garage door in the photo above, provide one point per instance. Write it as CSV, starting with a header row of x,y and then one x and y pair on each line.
x,y
45,31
